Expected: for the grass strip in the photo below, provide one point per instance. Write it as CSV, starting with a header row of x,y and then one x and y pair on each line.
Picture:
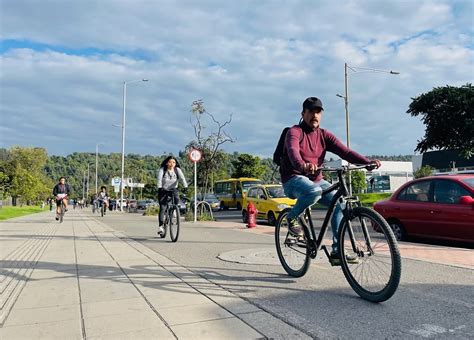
x,y
7,212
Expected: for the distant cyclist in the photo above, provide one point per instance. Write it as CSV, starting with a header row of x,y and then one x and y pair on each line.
x,y
94,202
168,177
61,192
103,197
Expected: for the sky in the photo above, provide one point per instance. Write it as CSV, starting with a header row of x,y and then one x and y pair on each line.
x,y
63,64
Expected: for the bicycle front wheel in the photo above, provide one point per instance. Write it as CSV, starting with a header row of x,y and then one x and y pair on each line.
x,y
293,253
174,224
375,273
63,210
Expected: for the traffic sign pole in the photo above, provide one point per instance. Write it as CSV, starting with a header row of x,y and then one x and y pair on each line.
x,y
195,192
195,156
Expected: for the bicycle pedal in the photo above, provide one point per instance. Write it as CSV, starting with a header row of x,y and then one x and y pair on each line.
x,y
301,242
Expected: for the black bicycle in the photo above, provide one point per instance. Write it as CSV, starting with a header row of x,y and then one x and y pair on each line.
x,y
62,208
368,250
171,218
62,211
102,207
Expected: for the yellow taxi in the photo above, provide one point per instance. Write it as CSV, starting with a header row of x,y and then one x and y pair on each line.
x,y
269,200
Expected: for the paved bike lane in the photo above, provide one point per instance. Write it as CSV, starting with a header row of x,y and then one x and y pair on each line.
x,y
82,279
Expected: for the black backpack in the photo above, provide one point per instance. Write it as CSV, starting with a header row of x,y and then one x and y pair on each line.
x,y
278,154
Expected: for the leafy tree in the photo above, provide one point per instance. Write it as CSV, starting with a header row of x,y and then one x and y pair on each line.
x,y
248,166
448,115
23,174
424,171
4,183
400,158
271,175
358,180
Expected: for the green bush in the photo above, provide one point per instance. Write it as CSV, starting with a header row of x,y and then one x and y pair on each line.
x,y
205,216
152,210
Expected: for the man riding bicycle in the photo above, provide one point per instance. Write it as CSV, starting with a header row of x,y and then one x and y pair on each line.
x,y
303,154
61,191
168,177
103,197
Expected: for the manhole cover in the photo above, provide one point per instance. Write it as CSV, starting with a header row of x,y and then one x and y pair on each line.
x,y
251,256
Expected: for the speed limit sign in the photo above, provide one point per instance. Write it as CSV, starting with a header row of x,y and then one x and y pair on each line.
x,y
195,155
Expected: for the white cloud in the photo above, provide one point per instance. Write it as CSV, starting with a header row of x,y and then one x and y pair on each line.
x,y
258,60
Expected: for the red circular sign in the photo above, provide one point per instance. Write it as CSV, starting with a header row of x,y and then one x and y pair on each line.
x,y
195,155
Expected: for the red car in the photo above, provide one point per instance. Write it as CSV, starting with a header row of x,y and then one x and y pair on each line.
x,y
437,207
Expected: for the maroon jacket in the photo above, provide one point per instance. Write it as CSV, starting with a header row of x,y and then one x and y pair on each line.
x,y
305,145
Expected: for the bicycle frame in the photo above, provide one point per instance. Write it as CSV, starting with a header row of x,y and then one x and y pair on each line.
x,y
169,204
342,194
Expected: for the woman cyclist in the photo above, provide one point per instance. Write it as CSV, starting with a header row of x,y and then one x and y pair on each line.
x,y
168,177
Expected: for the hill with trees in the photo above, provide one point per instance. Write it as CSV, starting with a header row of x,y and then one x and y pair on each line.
x,y
29,174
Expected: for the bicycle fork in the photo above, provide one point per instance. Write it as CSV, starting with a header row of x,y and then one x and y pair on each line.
x,y
349,215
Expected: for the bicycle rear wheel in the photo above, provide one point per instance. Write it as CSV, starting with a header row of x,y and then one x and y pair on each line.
x,y
293,254
377,274
174,224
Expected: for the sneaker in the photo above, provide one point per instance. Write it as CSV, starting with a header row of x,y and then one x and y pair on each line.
x,y
161,231
336,261
294,227
57,218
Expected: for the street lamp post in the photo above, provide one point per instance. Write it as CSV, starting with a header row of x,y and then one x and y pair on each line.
x,y
83,184
355,69
88,176
123,136
96,164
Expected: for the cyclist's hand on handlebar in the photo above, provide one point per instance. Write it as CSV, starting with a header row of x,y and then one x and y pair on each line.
x,y
375,164
310,169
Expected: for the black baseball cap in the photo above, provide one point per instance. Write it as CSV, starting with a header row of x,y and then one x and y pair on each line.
x,y
313,103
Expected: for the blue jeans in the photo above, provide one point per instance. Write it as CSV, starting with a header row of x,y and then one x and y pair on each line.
x,y
308,193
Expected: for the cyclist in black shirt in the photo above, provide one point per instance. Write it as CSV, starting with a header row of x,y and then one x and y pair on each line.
x,y
61,192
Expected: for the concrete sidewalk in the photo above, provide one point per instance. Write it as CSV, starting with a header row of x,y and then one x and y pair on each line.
x,y
82,279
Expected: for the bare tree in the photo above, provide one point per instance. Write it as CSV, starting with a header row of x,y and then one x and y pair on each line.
x,y
208,144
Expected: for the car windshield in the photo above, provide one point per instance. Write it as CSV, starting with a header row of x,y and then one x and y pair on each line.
x,y
469,181
247,184
210,197
276,192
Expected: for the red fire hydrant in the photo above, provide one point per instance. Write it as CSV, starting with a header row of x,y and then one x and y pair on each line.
x,y
251,215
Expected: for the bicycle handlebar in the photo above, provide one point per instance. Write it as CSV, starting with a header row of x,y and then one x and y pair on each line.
x,y
371,166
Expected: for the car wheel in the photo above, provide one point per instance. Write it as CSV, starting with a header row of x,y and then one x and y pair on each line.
x,y
245,216
271,218
223,207
398,230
